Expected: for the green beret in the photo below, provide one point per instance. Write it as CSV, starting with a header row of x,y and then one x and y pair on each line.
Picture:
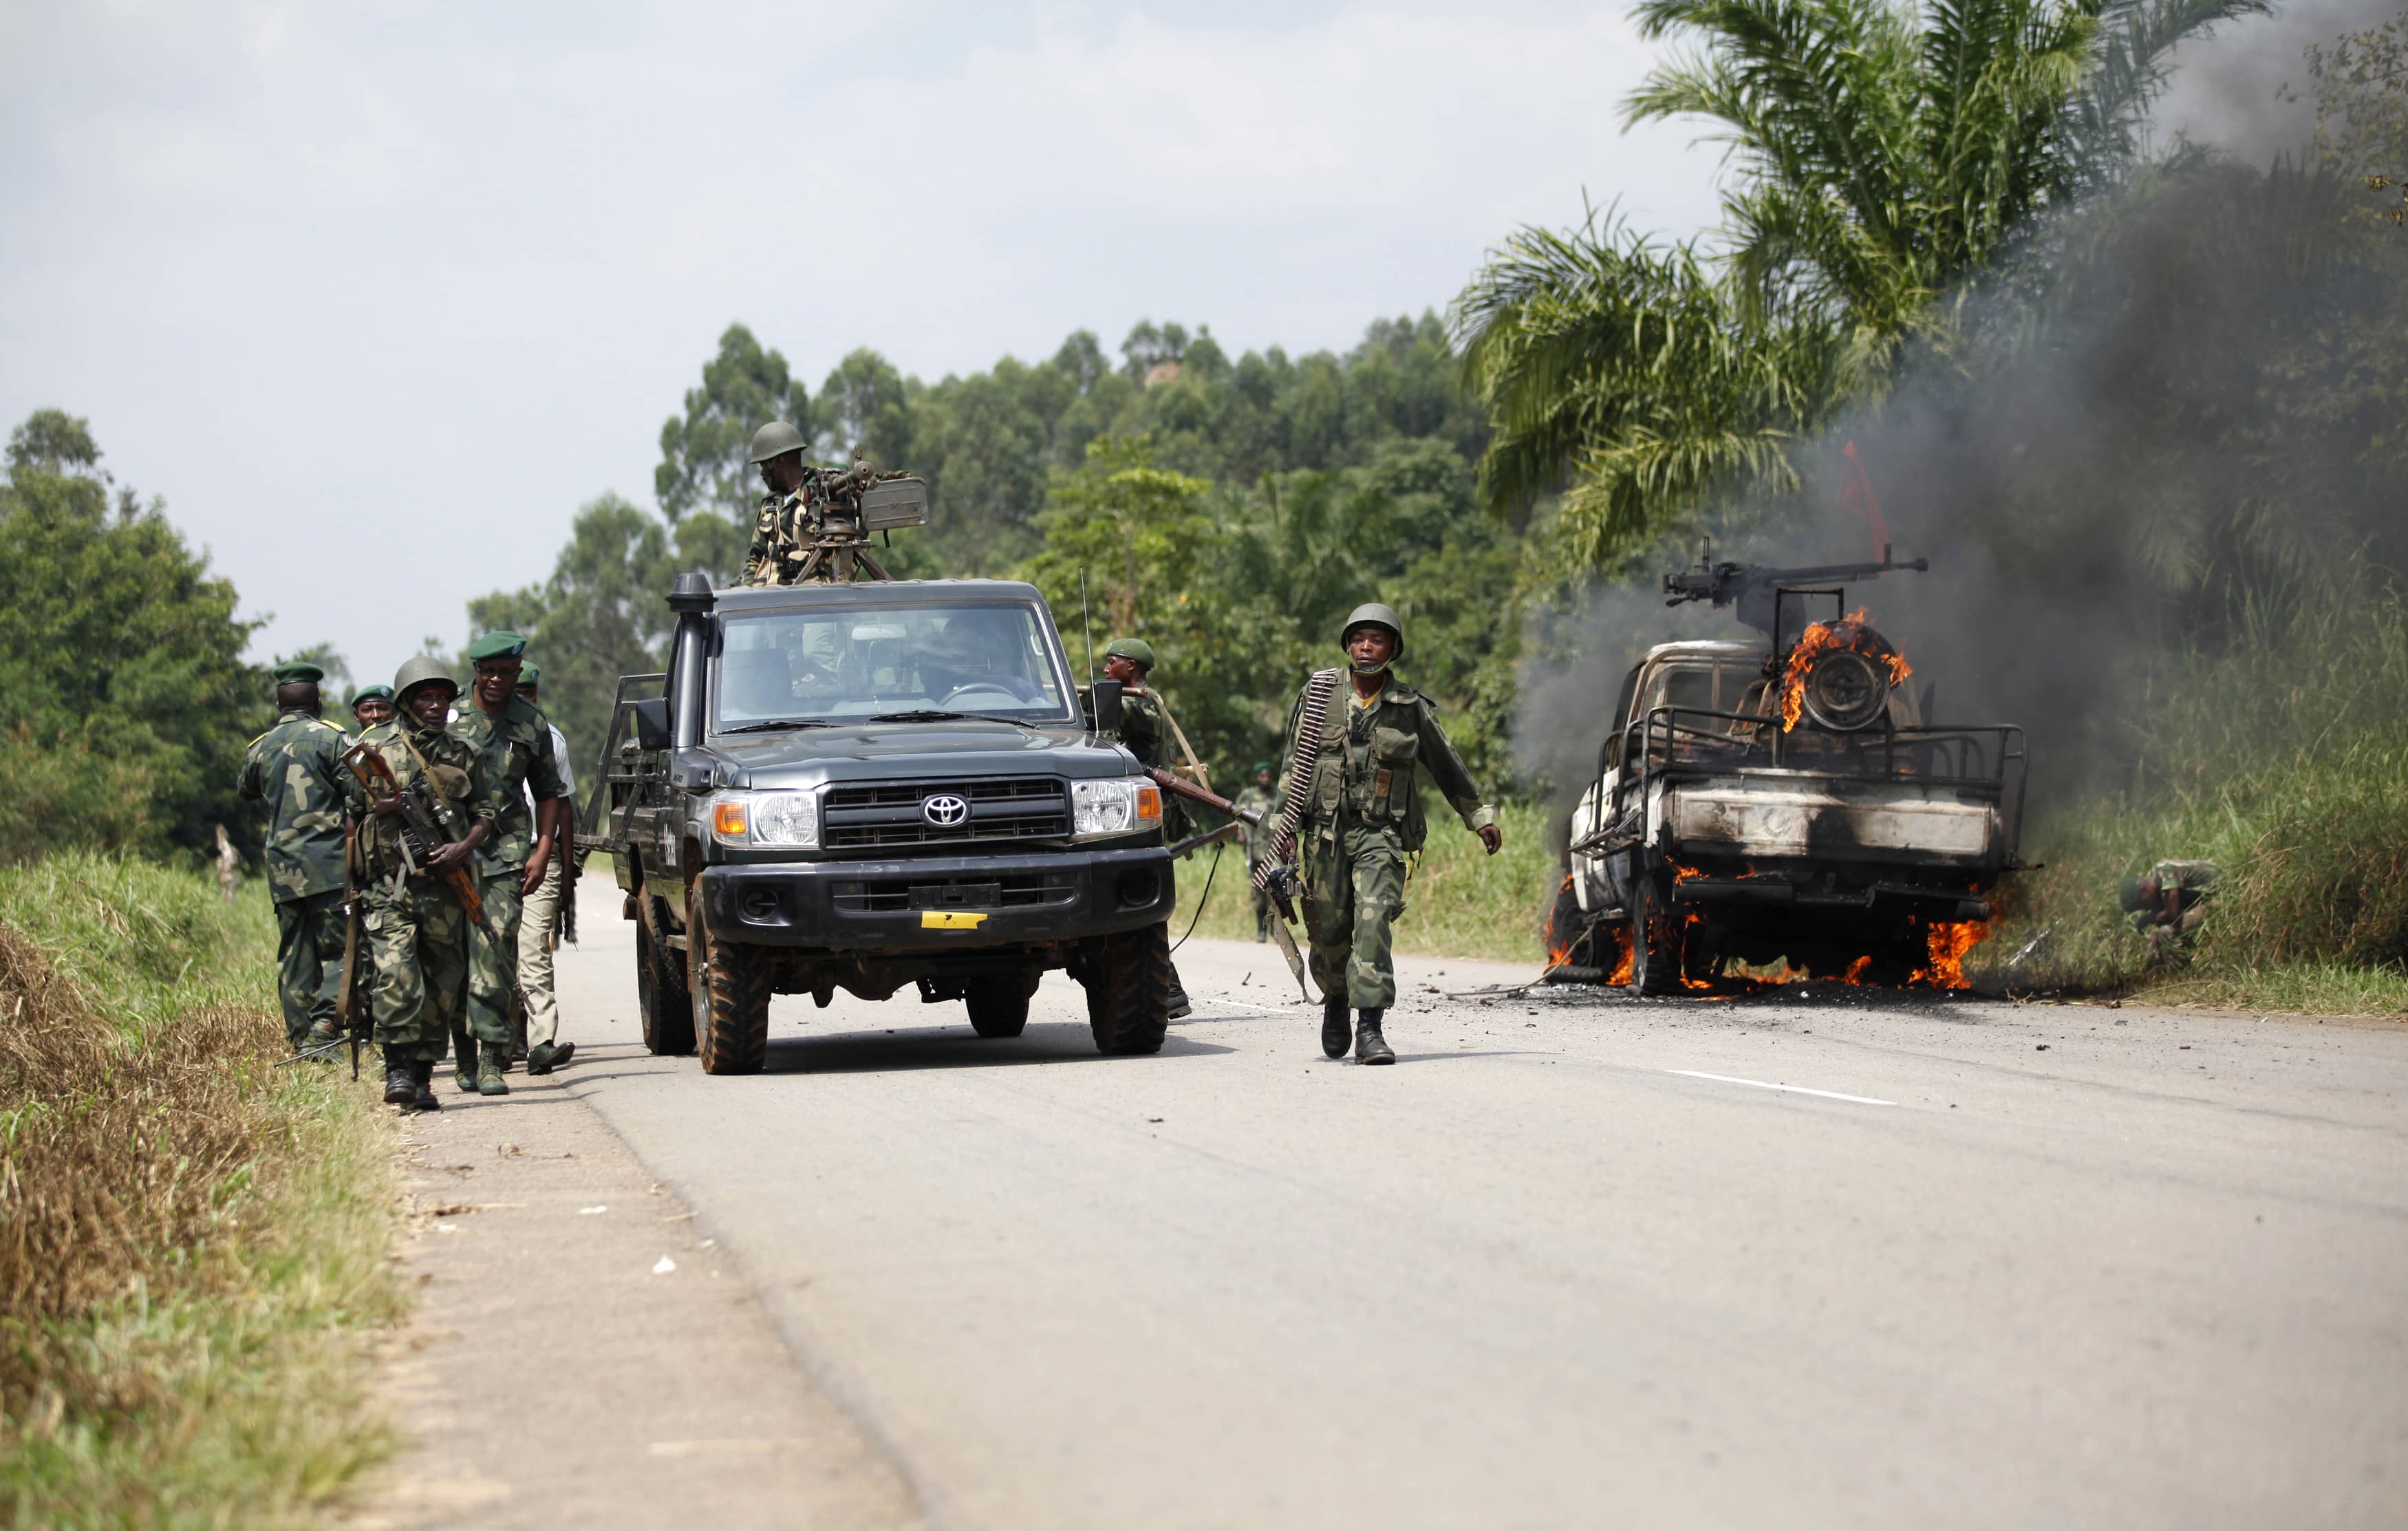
x,y
371,694
293,672
1135,649
501,643
528,673
1260,767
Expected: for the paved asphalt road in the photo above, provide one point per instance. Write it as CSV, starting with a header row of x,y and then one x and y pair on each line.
x,y
1572,1263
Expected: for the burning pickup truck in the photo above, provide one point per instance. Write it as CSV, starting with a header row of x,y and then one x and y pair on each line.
x,y
1787,804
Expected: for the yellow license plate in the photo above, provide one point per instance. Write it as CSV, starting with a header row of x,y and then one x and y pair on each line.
x,y
952,919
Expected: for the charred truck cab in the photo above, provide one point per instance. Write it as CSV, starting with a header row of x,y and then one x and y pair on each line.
x,y
1786,800
874,787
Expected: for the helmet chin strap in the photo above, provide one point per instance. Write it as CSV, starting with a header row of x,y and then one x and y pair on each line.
x,y
1366,671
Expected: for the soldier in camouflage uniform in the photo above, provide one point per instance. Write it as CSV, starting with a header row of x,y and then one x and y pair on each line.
x,y
1145,730
418,936
371,706
2165,905
511,741
1259,797
780,526
1362,818
296,768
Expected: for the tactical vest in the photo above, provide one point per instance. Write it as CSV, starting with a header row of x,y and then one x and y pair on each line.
x,y
1367,766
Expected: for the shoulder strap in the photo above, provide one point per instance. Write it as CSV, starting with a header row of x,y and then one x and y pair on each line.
x,y
1309,725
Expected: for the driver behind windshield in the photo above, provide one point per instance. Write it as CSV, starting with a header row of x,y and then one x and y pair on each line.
x,y
981,653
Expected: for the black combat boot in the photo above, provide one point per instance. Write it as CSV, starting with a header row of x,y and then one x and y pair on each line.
x,y
1179,1002
421,1073
400,1085
1333,1029
1369,1046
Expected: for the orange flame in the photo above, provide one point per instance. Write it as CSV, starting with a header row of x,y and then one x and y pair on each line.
x,y
1948,943
1856,973
1849,632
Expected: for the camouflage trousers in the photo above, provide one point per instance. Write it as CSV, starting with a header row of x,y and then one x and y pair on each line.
x,y
490,971
309,960
1353,889
418,945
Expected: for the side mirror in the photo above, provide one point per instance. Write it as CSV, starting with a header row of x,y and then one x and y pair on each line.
x,y
1105,707
651,718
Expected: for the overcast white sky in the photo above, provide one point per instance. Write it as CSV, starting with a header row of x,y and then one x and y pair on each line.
x,y
378,294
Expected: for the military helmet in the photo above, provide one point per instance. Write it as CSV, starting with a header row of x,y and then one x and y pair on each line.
x,y
776,440
418,672
1372,613
2127,892
1136,651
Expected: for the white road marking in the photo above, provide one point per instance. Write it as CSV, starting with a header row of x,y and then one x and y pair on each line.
x,y
1791,1089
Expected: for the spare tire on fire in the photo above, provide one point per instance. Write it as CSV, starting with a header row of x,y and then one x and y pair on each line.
x,y
1845,690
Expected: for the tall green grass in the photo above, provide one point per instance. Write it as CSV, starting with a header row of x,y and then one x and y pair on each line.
x,y
2284,757
192,1244
1460,901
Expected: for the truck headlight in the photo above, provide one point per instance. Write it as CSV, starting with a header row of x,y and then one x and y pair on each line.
x,y
1123,805
766,817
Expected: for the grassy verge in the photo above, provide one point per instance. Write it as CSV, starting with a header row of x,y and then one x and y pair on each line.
x,y
2285,759
192,1245
1461,902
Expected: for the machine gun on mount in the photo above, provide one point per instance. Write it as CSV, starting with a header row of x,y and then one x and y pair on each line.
x,y
1757,590
843,507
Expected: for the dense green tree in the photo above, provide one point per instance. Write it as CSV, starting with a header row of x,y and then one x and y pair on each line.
x,y
125,701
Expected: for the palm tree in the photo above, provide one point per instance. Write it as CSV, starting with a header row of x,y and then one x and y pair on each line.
x,y
1880,154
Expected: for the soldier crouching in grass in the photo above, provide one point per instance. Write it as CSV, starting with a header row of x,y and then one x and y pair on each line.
x,y
1363,817
2166,905
418,934
512,745
297,769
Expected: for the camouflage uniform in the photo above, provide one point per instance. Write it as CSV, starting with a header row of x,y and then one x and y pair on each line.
x,y
512,756
296,768
1146,731
418,938
1362,818
2191,882
1258,849
779,527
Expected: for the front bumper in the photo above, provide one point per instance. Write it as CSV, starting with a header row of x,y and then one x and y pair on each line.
x,y
940,904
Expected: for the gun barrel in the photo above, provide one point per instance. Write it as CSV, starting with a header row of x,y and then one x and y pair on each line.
x,y
1189,790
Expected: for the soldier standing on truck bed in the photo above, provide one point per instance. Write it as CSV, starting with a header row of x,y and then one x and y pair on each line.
x,y
778,525
297,769
1145,729
540,916
418,934
1363,817
512,745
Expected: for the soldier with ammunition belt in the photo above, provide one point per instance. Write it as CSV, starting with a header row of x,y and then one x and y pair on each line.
x,y
1361,816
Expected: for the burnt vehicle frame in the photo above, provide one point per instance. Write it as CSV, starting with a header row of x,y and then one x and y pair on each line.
x,y
1712,834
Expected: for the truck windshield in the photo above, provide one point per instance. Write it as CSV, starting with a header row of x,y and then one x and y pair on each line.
x,y
822,666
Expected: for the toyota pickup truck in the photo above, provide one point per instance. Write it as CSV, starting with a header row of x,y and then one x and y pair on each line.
x,y
877,787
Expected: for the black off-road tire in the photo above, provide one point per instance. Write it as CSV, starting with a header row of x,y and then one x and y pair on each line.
x,y
998,1007
1655,932
660,986
729,985
1128,990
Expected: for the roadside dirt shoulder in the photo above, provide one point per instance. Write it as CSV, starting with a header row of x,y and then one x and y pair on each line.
x,y
582,1355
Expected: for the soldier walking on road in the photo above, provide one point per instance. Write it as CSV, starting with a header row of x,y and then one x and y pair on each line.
x,y
540,916
1362,818
418,934
1258,797
297,769
512,745
1145,730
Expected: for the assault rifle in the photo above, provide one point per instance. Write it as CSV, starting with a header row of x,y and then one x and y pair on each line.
x,y
1754,586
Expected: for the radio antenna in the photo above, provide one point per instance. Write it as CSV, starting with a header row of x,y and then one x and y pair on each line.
x,y
1087,623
